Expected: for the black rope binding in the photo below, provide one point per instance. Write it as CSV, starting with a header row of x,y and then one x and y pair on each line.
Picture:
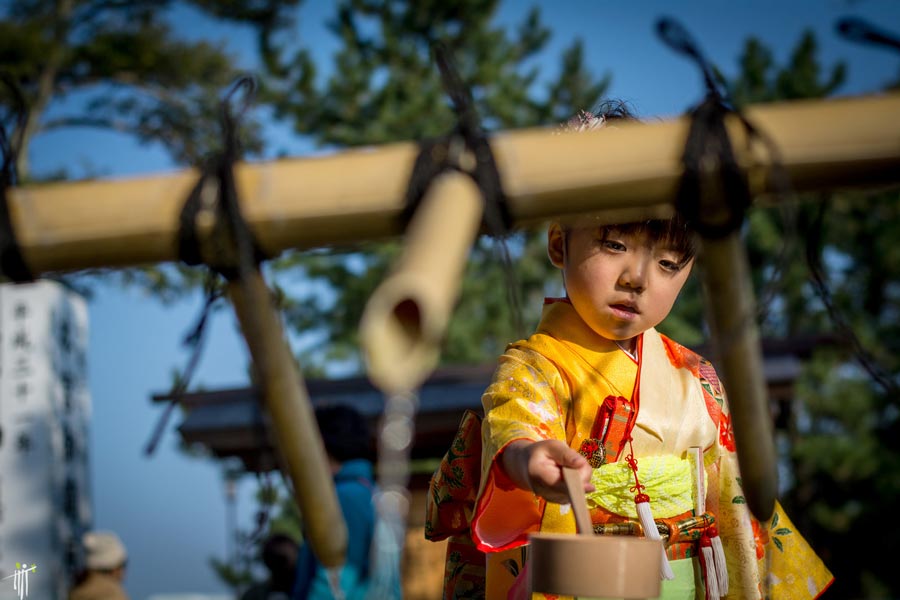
x,y
194,341
12,262
858,30
236,249
713,195
715,108
442,154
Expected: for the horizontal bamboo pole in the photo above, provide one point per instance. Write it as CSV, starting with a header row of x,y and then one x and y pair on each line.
x,y
358,194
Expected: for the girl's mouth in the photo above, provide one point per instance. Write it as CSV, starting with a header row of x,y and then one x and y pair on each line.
x,y
624,311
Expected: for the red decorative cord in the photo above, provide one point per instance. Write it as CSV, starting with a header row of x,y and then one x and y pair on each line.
x,y
632,462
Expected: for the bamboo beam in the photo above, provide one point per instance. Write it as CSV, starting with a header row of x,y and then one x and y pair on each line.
x,y
355,195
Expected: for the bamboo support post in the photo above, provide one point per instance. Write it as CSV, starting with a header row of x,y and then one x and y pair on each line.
x,y
731,309
406,317
294,422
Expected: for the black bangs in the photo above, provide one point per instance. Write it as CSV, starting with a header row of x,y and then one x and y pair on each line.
x,y
673,233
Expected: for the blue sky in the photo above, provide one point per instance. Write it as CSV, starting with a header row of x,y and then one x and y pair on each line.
x,y
170,508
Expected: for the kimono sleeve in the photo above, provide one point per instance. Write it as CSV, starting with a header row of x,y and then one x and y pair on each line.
x,y
525,401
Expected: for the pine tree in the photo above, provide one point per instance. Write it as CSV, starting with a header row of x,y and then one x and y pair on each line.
x,y
121,68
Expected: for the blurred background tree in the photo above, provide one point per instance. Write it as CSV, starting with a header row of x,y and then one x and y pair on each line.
x,y
127,68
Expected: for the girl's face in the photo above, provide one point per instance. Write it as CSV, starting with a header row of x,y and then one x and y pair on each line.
x,y
621,284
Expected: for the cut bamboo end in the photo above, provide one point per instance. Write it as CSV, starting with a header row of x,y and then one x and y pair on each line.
x,y
406,318
400,349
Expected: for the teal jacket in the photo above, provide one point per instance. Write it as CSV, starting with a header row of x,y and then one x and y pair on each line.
x,y
355,487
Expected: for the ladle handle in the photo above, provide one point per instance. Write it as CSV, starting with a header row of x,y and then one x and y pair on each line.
x,y
579,503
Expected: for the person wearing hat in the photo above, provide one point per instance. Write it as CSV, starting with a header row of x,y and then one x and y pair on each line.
x,y
105,560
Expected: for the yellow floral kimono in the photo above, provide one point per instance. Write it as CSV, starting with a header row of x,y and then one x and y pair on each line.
x,y
565,382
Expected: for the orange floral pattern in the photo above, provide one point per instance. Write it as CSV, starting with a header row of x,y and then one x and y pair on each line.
x,y
726,433
761,537
681,357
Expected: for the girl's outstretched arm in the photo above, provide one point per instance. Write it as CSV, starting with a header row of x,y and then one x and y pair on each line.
x,y
537,466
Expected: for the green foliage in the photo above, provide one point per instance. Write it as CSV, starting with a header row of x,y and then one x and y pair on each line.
x,y
127,70
286,517
385,87
858,417
483,320
119,66
238,578
802,78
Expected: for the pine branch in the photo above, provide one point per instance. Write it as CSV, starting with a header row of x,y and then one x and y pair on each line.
x,y
80,121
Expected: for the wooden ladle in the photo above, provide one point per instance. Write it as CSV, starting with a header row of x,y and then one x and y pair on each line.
x,y
589,565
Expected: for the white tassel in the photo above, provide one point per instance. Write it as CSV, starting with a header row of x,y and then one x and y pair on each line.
x,y
712,582
714,554
718,553
650,532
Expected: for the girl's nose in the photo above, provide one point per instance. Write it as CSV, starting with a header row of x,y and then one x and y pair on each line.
x,y
634,275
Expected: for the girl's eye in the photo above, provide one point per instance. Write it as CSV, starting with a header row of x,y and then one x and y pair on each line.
x,y
670,266
613,245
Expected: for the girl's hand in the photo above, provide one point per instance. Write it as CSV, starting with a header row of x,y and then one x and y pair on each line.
x,y
537,466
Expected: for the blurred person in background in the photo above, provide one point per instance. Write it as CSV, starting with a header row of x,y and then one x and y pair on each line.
x,y
279,554
105,562
346,437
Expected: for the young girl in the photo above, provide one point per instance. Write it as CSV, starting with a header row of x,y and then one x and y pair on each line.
x,y
598,389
